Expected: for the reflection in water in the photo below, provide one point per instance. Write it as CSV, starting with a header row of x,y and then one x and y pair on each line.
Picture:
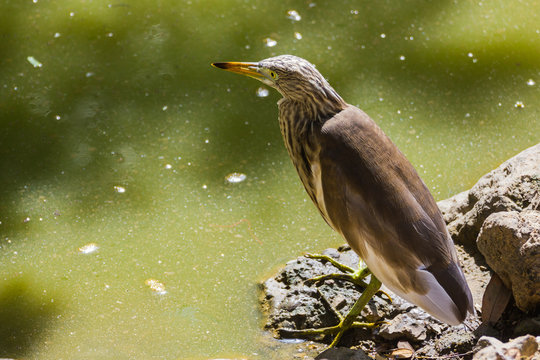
x,y
88,248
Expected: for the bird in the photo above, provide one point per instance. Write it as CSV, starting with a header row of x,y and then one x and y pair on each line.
x,y
366,190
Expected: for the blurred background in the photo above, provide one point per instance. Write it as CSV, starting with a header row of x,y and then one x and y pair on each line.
x,y
124,230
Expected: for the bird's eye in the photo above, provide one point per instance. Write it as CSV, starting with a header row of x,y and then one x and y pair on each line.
x,y
273,75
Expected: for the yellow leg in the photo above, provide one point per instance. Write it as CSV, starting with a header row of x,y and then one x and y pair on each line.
x,y
355,276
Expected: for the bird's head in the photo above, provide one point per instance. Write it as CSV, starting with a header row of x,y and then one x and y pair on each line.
x,y
295,78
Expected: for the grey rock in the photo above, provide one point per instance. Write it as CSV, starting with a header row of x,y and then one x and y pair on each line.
x,y
513,186
457,341
454,207
291,303
404,326
411,323
510,243
342,353
524,347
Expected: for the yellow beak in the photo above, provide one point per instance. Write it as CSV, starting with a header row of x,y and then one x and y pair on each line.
x,y
243,68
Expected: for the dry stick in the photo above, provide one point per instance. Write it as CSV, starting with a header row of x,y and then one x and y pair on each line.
x,y
238,223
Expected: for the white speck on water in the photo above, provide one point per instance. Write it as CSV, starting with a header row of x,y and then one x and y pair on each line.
x,y
205,187
206,141
57,35
297,36
168,166
26,219
383,35
57,117
354,12
531,82
519,105
269,42
262,92
72,14
471,55
164,108
88,248
235,178
402,57
119,189
156,286
110,34
35,1
294,15
35,63
89,74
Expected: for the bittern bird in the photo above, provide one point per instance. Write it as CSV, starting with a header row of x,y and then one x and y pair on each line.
x,y
367,191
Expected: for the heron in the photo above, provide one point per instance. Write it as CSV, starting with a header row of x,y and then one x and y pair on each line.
x,y
366,190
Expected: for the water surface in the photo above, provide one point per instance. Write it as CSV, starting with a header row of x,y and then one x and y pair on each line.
x,y
123,232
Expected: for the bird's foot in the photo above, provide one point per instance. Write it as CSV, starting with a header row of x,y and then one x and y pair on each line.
x,y
349,274
345,322
337,331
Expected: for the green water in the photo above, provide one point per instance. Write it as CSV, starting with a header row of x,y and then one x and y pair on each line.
x,y
115,131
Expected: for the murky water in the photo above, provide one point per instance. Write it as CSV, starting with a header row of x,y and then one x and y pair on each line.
x,y
144,194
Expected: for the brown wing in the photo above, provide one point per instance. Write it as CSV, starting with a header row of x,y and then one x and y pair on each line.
x,y
375,198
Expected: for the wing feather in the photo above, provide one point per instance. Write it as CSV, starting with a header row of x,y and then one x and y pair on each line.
x,y
374,197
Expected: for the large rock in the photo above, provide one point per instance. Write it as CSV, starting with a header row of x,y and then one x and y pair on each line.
x,y
510,242
513,186
292,303
524,347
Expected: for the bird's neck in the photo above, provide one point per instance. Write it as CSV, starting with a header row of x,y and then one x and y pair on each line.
x,y
318,107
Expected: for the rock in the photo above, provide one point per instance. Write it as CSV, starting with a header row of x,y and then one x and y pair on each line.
x,y
510,242
404,327
342,353
454,207
513,186
457,341
291,303
524,347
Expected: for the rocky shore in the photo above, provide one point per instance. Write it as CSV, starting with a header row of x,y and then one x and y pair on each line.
x,y
496,228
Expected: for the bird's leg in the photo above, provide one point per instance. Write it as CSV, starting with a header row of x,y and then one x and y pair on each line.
x,y
346,322
355,276
332,261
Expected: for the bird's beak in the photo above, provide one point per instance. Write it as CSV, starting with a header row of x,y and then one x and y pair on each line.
x,y
243,68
